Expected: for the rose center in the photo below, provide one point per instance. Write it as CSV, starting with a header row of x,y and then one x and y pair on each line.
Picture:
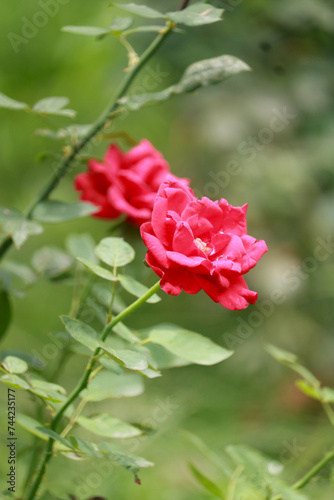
x,y
202,245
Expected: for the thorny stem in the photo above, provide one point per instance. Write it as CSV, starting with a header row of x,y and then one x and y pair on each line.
x,y
110,110
82,385
184,4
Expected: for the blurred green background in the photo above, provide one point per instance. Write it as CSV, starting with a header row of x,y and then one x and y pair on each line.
x,y
287,178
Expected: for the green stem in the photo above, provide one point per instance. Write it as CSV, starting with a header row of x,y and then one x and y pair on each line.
x,y
82,385
307,478
310,475
96,128
329,412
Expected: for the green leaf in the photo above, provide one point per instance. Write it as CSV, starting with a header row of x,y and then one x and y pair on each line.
x,y
47,386
46,390
82,246
256,466
196,14
54,211
309,390
130,359
33,387
120,24
71,132
150,373
51,261
7,102
108,426
12,364
200,74
291,361
53,106
328,394
127,460
108,385
56,437
210,72
15,381
140,10
81,332
16,226
284,357
30,424
85,447
165,359
145,29
135,288
24,273
111,365
98,270
125,333
6,313
188,345
115,252
85,30
206,482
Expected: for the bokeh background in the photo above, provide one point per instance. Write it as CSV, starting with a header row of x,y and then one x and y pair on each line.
x,y
286,177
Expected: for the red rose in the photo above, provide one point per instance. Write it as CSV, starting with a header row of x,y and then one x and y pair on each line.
x,y
201,245
124,182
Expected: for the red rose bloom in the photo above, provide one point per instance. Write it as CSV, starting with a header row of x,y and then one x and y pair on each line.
x,y
124,182
199,244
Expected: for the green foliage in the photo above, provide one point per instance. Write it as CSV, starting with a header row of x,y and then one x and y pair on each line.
x,y
8,102
52,434
199,74
118,26
291,361
129,359
16,226
247,473
115,252
207,484
81,332
135,288
51,262
108,426
31,425
108,385
46,106
6,313
127,460
83,446
309,385
12,364
54,211
188,345
140,10
98,270
53,106
44,390
81,246
194,15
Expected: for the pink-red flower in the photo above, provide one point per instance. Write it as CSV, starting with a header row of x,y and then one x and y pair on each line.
x,y
199,244
124,183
